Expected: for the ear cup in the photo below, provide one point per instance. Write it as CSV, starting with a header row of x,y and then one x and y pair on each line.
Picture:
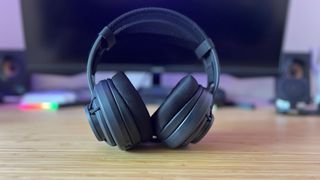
x,y
135,104
182,113
177,98
124,111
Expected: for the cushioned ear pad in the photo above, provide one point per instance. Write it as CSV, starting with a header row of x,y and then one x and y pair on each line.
x,y
187,125
135,106
178,97
111,116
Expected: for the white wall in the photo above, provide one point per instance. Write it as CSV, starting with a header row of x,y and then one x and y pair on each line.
x,y
303,26
11,35
302,32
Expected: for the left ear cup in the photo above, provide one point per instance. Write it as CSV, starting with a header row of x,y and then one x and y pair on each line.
x,y
182,116
123,111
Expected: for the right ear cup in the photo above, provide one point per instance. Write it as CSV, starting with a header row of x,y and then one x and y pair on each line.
x,y
181,118
123,112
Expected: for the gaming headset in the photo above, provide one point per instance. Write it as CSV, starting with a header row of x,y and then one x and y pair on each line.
x,y
117,114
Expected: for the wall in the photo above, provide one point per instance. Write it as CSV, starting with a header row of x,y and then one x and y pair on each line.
x,y
302,33
11,35
303,28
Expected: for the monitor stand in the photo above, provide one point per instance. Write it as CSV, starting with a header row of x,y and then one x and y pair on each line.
x,y
156,93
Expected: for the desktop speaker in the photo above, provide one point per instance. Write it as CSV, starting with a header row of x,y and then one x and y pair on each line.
x,y
293,83
13,74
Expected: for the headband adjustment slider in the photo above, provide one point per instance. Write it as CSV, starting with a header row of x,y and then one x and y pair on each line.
x,y
108,35
204,47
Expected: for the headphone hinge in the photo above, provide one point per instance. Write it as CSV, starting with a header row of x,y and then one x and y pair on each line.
x,y
211,87
91,109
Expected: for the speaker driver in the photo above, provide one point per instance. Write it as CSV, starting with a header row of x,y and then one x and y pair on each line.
x,y
13,74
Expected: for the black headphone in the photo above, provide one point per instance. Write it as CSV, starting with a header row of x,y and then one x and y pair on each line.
x,y
117,113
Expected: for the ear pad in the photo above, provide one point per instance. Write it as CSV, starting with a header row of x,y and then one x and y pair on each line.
x,y
178,97
182,114
124,111
135,104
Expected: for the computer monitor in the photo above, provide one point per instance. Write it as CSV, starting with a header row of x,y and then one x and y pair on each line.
x,y
247,34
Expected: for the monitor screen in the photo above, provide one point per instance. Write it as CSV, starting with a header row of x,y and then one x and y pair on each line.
x,y
247,35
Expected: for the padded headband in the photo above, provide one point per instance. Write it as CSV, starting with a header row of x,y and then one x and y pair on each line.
x,y
159,21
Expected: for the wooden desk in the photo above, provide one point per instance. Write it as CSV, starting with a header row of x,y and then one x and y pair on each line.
x,y
242,145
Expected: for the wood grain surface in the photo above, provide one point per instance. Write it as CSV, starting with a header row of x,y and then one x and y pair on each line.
x,y
243,144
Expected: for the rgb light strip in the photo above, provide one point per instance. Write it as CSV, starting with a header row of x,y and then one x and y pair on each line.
x,y
50,106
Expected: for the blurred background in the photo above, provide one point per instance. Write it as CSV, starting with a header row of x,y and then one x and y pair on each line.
x,y
268,51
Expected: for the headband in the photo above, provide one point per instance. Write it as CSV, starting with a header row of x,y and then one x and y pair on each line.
x,y
181,29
